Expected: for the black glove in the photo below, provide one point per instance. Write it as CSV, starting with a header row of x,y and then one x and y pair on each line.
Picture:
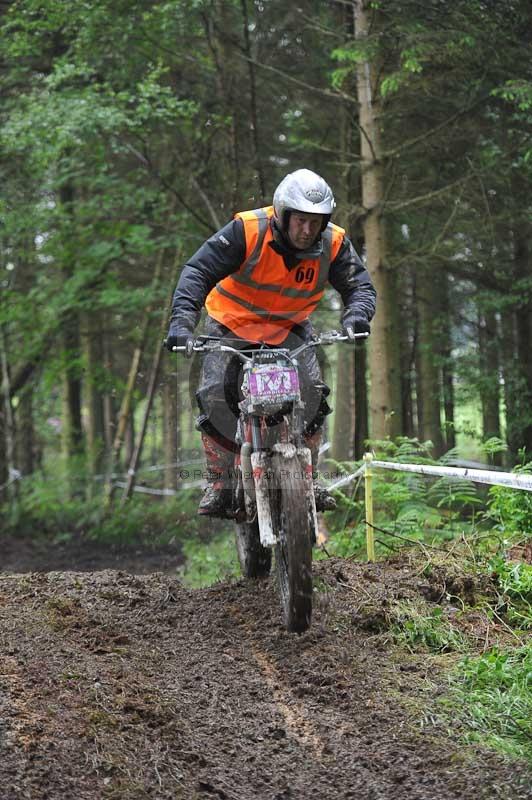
x,y
353,322
180,337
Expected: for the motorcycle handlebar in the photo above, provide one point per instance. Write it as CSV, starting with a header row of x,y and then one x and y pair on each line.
x,y
203,344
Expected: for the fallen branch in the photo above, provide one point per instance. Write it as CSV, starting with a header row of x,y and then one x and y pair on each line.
x,y
406,539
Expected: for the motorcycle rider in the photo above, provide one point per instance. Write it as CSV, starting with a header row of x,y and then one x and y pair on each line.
x,y
259,278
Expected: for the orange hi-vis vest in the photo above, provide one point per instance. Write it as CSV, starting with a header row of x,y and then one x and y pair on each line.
x,y
264,300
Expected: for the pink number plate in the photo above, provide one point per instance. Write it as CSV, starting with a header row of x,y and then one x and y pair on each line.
x,y
273,383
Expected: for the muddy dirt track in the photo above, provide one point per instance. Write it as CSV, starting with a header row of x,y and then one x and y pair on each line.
x,y
116,685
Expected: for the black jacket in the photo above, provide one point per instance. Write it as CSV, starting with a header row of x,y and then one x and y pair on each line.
x,y
225,251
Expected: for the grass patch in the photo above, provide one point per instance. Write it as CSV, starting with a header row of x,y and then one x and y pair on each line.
x,y
343,543
423,628
514,580
492,694
209,562
56,508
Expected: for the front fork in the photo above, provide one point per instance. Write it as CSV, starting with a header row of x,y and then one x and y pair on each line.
x,y
305,459
256,469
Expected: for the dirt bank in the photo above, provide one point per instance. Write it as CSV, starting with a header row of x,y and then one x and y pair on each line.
x,y
119,685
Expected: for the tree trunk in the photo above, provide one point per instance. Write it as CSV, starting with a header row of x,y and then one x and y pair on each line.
x,y
428,376
524,340
409,336
92,341
181,395
219,29
361,400
385,392
346,412
124,426
135,458
524,336
489,374
3,453
109,411
8,421
129,439
510,371
254,117
127,400
446,349
25,433
72,432
171,429
154,456
344,415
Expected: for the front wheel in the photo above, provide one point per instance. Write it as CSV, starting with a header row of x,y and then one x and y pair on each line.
x,y
255,560
293,553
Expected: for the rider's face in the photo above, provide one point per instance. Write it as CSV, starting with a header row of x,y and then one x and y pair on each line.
x,y
303,228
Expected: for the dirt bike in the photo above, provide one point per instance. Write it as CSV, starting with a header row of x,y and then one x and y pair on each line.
x,y
272,482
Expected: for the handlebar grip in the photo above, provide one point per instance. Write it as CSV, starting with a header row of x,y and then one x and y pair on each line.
x,y
350,331
187,350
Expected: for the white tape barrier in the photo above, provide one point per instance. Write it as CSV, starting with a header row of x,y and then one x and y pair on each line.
x,y
160,492
178,464
511,480
153,468
347,479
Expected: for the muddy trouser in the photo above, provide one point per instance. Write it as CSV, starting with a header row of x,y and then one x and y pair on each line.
x,y
217,393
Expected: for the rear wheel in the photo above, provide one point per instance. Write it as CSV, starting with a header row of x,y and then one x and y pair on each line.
x,y
293,553
255,560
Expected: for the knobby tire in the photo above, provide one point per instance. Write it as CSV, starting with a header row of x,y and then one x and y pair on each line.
x,y
255,560
293,553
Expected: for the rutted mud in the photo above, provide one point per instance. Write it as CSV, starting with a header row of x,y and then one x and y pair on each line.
x,y
116,685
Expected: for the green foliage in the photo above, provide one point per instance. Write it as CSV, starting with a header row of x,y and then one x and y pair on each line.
x,y
343,541
403,449
356,52
411,504
419,508
423,628
54,505
493,445
209,562
510,510
517,91
390,84
514,582
137,520
412,58
515,578
492,695
453,493
349,56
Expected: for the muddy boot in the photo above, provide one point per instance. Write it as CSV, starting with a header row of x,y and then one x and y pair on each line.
x,y
216,500
324,499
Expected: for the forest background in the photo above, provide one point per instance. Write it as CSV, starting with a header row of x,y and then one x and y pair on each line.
x,y
131,130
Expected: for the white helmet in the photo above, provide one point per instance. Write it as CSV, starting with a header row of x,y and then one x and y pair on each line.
x,y
302,190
